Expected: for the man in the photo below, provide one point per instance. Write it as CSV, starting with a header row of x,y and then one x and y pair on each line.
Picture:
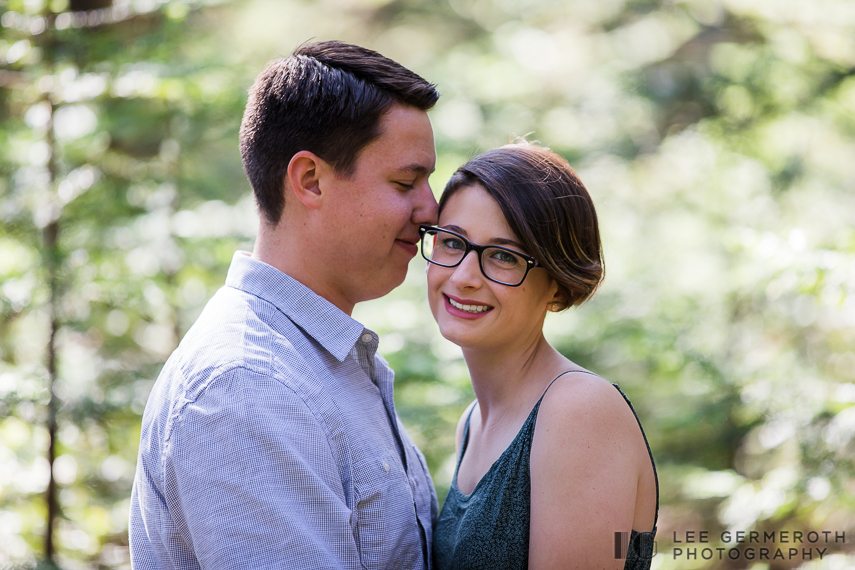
x,y
270,438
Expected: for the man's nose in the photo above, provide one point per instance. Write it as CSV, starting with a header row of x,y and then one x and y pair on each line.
x,y
426,210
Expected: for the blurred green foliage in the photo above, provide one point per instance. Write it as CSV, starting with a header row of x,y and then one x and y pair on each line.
x,y
716,136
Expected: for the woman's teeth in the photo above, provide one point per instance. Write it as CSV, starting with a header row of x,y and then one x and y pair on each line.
x,y
468,308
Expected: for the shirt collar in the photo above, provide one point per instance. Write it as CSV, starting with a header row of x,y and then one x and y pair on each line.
x,y
336,331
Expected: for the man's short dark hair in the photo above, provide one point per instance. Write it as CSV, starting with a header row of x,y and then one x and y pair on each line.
x,y
327,98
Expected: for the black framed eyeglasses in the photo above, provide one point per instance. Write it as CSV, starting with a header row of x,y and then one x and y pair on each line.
x,y
498,264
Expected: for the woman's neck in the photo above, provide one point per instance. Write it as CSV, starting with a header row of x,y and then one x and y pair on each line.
x,y
506,380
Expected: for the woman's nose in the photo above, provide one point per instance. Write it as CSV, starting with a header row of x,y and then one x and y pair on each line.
x,y
468,273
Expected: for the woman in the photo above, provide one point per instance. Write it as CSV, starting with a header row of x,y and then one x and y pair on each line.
x,y
553,465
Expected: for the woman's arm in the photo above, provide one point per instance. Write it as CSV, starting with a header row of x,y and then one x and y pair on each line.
x,y
586,461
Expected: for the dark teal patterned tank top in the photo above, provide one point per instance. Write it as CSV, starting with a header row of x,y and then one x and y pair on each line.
x,y
489,528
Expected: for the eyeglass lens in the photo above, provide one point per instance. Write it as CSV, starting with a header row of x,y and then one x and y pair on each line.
x,y
444,248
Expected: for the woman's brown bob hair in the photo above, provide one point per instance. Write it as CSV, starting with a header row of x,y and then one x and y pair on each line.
x,y
549,210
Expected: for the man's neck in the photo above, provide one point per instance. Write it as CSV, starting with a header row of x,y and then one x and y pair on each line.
x,y
289,255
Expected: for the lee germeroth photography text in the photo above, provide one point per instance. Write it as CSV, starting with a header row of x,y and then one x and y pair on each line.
x,y
756,545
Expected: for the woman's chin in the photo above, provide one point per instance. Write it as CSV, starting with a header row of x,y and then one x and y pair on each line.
x,y
464,333
463,339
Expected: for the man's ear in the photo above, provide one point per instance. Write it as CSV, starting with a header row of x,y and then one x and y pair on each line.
x,y
305,171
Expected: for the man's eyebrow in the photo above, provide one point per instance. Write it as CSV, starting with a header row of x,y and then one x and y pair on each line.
x,y
415,169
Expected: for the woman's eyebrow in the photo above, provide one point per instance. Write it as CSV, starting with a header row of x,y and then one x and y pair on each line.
x,y
456,229
504,241
494,241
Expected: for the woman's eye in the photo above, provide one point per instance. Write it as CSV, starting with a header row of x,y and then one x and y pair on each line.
x,y
452,243
505,258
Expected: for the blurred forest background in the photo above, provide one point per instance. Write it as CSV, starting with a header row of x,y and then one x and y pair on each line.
x,y
716,136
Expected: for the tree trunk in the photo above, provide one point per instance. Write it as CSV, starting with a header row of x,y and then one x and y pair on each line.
x,y
51,252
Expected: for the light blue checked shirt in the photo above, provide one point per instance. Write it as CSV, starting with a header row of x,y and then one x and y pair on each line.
x,y
270,440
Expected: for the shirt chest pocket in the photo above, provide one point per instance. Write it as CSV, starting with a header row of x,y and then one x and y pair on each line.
x,y
384,510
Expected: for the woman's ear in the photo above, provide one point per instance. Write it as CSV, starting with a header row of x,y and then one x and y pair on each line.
x,y
559,300
305,171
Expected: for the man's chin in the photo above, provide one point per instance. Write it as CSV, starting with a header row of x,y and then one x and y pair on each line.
x,y
382,288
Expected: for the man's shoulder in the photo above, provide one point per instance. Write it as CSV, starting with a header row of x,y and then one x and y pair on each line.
x,y
238,334
236,359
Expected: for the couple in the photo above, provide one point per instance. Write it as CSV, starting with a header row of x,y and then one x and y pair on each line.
x,y
270,439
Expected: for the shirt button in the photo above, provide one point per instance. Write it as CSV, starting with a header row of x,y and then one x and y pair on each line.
x,y
386,466
366,338
415,483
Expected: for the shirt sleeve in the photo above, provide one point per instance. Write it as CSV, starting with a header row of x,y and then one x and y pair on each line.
x,y
252,482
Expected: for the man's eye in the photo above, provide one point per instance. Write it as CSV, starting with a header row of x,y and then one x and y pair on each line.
x,y
406,185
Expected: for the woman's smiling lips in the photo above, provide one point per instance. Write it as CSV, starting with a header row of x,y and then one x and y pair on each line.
x,y
465,308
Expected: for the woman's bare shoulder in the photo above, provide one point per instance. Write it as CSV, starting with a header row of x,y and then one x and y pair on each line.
x,y
581,398
586,412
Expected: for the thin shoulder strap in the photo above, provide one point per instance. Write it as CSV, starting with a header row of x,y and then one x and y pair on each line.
x,y
559,376
649,452
465,441
644,435
472,409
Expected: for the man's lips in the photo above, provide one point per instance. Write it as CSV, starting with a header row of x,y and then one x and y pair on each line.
x,y
410,247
